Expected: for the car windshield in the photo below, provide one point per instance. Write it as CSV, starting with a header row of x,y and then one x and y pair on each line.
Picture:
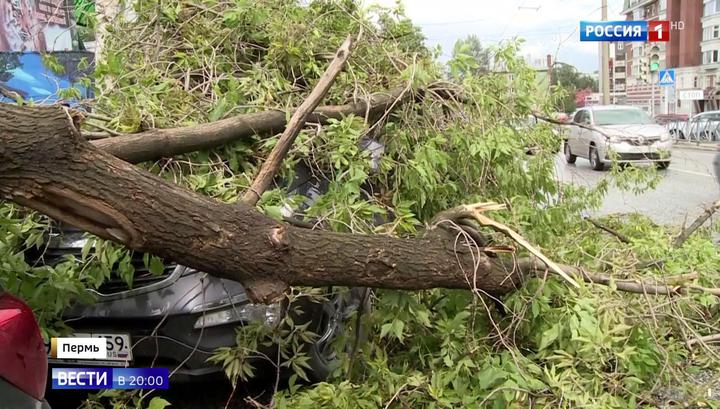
x,y
621,117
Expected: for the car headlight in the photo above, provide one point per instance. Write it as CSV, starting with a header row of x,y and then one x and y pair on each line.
x,y
267,314
613,139
665,136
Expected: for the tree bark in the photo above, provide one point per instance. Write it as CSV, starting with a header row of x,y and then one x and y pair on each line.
x,y
46,165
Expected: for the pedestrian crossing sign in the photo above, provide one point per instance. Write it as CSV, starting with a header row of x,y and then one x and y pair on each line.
x,y
666,77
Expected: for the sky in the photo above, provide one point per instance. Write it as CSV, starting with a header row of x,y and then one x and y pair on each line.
x,y
548,26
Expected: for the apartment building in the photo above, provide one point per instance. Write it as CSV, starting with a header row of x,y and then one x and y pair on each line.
x,y
682,52
707,77
617,73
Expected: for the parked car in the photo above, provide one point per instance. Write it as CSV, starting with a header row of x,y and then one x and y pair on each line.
x,y
179,318
23,360
617,133
701,127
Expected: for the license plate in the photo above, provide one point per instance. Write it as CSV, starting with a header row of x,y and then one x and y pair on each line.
x,y
118,345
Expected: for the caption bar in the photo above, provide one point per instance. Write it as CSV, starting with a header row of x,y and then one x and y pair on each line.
x,y
110,378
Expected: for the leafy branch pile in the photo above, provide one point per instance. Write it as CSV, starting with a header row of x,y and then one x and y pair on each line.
x,y
191,62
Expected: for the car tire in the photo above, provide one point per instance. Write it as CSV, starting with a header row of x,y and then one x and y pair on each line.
x,y
676,134
594,157
663,164
569,157
710,136
352,305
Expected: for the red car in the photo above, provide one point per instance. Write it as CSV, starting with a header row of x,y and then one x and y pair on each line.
x,y
23,359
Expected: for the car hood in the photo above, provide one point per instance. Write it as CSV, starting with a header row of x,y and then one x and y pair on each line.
x,y
633,131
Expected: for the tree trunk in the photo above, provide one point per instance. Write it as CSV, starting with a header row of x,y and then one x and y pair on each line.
x,y
46,165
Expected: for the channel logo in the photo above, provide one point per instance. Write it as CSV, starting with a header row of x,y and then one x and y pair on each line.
x,y
82,378
110,378
640,30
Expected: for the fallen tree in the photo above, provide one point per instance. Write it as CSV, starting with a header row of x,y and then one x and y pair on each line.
x,y
46,165
546,342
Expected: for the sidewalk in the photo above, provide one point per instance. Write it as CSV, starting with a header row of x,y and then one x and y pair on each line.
x,y
702,146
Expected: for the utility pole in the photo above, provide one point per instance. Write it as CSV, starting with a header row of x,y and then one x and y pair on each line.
x,y
652,96
605,62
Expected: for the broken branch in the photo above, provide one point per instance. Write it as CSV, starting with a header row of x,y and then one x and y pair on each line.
x,y
606,229
474,211
274,160
686,233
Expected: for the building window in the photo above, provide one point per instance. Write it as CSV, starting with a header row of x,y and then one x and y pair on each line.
x,y
711,57
711,7
711,32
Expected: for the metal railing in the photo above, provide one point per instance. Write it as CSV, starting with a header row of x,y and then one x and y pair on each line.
x,y
695,129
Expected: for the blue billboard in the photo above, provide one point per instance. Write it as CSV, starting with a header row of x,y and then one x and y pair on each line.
x,y
25,74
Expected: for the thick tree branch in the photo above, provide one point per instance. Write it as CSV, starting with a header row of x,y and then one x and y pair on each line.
x,y
274,160
669,287
159,143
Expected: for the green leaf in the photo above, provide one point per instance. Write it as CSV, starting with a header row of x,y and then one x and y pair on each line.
x,y
490,376
549,336
158,403
156,266
218,111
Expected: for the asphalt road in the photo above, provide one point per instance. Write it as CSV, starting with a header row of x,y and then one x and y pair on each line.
x,y
687,187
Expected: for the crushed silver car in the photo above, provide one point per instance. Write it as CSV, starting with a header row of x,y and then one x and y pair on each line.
x,y
178,318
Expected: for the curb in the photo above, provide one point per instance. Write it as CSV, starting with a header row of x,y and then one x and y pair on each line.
x,y
701,147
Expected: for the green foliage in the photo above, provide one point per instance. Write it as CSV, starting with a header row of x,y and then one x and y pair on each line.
x,y
184,63
475,58
567,81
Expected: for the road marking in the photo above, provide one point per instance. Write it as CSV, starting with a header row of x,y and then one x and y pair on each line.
x,y
690,172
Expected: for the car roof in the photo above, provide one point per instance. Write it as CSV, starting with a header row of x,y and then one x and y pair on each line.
x,y
610,107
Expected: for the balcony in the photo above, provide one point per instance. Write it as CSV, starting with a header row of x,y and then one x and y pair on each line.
x,y
634,4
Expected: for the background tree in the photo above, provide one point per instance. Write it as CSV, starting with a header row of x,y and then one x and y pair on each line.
x,y
471,50
568,80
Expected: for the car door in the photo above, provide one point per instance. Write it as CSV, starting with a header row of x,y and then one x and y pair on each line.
x,y
575,131
578,145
